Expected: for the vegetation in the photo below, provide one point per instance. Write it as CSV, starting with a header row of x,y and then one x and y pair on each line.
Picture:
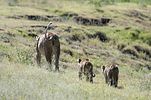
x,y
122,36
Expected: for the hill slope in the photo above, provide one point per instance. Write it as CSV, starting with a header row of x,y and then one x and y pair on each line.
x,y
109,33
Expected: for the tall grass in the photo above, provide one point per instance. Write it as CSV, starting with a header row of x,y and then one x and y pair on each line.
x,y
95,2
19,81
102,2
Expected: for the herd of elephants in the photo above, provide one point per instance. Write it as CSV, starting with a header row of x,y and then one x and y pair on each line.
x,y
48,45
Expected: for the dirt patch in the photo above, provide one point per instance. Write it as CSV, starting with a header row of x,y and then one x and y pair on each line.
x,y
127,50
121,46
100,35
68,29
130,51
64,17
148,66
38,29
52,27
76,37
60,18
68,52
5,39
37,17
144,50
91,21
137,14
127,28
10,34
32,35
136,51
2,29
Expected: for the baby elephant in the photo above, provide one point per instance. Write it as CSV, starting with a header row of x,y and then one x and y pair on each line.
x,y
86,68
111,74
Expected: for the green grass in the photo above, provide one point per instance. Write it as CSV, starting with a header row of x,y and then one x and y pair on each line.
x,y
20,81
21,78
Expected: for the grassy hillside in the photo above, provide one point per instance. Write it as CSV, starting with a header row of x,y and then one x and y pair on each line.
x,y
105,32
